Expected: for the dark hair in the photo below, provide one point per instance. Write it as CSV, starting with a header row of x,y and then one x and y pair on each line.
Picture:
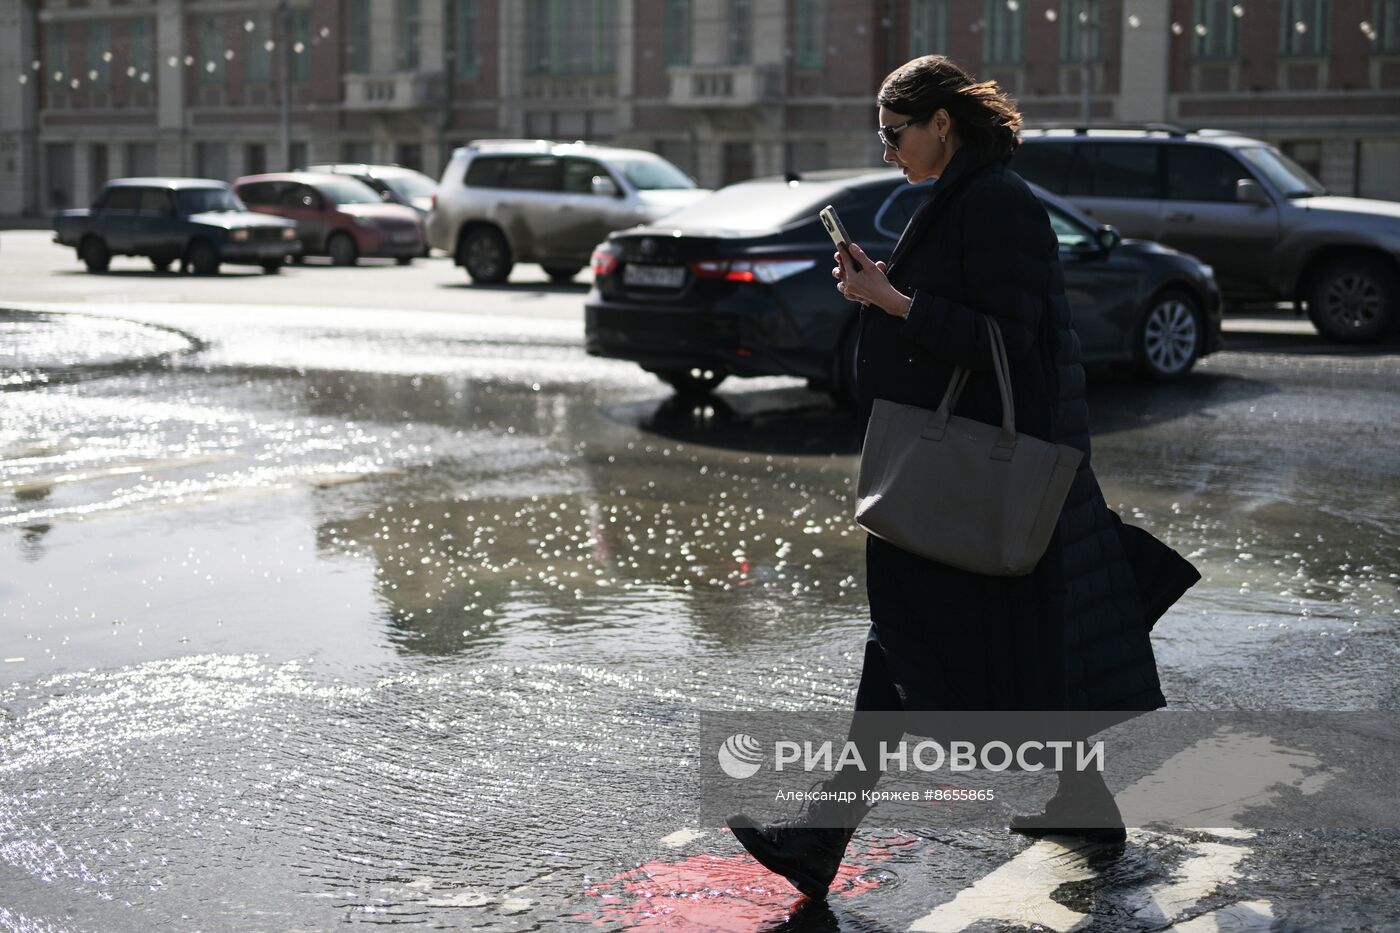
x,y
984,117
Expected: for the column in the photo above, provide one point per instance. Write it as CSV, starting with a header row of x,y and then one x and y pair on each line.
x,y
511,117
1145,85
19,138
172,149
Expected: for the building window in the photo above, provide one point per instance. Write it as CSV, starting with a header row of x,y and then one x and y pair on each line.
x,y
1004,34
99,53
357,54
811,33
256,53
571,37
928,27
211,160
1386,21
1222,38
56,52
358,151
467,64
299,22
1303,27
211,50
740,31
408,12
676,31
1076,18
141,47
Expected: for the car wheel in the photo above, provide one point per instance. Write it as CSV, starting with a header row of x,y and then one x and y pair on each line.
x,y
562,275
404,260
203,258
486,256
694,381
272,267
160,265
1353,300
1171,335
94,254
342,250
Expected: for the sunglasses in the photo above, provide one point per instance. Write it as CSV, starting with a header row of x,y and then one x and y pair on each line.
x,y
889,135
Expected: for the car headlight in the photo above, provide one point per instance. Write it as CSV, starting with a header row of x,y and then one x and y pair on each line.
x,y
365,222
289,233
239,235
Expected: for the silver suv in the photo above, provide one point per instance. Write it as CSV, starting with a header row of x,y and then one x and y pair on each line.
x,y
506,201
1271,231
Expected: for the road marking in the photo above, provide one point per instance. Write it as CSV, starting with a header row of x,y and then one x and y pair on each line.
x,y
1244,917
681,837
1019,891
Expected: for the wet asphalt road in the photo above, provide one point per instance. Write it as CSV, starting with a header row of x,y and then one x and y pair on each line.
x,y
365,596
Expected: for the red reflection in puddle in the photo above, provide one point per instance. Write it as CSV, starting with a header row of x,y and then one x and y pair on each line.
x,y
719,893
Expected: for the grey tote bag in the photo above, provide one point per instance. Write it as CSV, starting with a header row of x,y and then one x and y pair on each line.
x,y
958,491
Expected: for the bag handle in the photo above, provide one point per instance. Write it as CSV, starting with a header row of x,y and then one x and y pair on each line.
x,y
1001,364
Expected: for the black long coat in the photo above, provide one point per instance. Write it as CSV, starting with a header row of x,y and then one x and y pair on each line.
x,y
1073,634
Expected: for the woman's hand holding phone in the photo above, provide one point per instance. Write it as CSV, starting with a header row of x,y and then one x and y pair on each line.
x,y
869,285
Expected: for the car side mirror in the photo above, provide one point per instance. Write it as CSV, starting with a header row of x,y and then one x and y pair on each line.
x,y
605,187
386,196
1249,191
1108,238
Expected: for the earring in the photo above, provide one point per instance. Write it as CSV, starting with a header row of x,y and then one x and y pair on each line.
x,y
943,139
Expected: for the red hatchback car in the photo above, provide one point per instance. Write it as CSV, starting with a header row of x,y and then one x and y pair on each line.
x,y
336,216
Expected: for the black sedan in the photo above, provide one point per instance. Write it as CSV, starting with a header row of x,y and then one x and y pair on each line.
x,y
740,284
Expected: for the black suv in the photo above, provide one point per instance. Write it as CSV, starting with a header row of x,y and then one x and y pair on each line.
x,y
1271,231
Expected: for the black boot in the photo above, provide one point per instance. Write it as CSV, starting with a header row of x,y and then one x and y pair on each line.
x,y
806,850
1081,798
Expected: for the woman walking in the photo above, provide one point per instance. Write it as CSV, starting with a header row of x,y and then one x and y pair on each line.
x,y
1073,634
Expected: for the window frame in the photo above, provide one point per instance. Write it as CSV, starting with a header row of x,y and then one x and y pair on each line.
x,y
99,40
997,16
256,54
1317,40
408,35
1212,14
211,49
1158,181
1071,31
928,27
357,57
1165,169
676,29
809,26
739,44
466,64
125,191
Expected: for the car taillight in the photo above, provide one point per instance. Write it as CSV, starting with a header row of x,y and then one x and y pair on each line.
x,y
604,261
432,202
766,271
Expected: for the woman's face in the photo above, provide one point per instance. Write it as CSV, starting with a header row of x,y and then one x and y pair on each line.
x,y
920,154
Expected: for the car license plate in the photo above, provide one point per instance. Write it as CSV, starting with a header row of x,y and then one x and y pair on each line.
x,y
405,237
653,276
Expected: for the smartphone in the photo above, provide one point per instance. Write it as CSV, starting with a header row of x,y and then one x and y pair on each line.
x,y
837,232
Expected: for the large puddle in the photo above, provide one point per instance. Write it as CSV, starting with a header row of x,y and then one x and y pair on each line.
x,y
293,645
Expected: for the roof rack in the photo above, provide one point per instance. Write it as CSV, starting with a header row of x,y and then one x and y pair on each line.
x,y
1080,129
480,143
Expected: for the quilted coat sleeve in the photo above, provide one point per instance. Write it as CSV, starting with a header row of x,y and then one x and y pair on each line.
x,y
1007,246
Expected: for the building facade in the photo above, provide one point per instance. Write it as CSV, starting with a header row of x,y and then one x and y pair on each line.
x,y
727,89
